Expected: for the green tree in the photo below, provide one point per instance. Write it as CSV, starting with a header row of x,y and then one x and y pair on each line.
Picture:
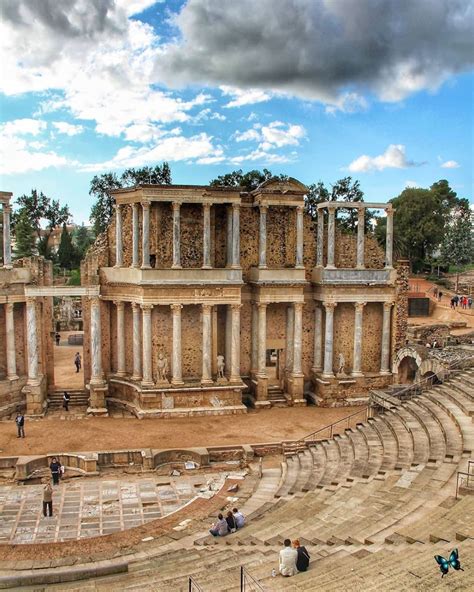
x,y
24,235
67,254
457,248
248,181
102,185
82,240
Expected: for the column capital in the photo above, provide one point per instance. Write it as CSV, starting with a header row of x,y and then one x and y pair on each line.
x,y
9,306
332,208
206,205
300,209
31,300
135,306
359,305
263,208
7,208
236,307
389,211
388,305
94,300
146,308
298,306
261,305
119,303
206,308
235,206
330,305
176,308
176,205
146,205
117,206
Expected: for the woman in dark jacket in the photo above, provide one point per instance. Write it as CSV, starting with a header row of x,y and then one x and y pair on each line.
x,y
302,562
231,522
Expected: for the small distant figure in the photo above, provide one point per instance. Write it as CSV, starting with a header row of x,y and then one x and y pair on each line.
x,y
469,302
58,338
55,468
341,365
220,366
239,518
47,500
302,563
20,424
288,557
219,528
78,361
440,295
231,524
66,399
162,367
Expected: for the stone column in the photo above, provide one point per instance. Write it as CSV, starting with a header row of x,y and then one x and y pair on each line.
x,y
207,236
147,345
360,238
262,238
298,338
299,237
10,329
176,235
146,235
96,342
290,330
135,235
389,239
229,237
228,339
118,236
137,359
177,377
254,344
32,342
235,351
318,337
331,236
206,344
236,235
7,249
262,340
320,239
120,337
358,325
385,357
328,339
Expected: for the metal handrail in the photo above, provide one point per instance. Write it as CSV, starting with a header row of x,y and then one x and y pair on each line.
x,y
462,474
244,576
193,586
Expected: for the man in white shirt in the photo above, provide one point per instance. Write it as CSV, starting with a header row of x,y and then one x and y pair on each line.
x,y
239,518
288,557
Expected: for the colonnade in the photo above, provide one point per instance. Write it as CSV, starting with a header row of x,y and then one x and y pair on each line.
x,y
262,242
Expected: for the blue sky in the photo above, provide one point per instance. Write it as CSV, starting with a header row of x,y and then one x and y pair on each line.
x,y
314,89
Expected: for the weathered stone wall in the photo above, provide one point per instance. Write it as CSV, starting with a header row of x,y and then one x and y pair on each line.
x,y
372,337
346,251
400,314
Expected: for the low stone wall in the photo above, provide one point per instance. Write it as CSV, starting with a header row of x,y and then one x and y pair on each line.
x,y
347,391
12,398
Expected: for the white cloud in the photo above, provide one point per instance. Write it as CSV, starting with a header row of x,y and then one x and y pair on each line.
x,y
251,135
349,102
278,134
208,114
19,127
242,97
394,157
135,6
263,157
450,164
68,128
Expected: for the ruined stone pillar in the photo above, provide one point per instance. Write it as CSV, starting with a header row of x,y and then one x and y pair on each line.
x,y
299,237
229,237
146,235
331,236
207,236
177,377
236,235
32,342
385,357
135,235
389,239
254,344
360,237
320,239
328,339
96,345
290,329
235,350
120,337
176,235
262,242
318,340
147,379
206,344
358,326
262,340
137,363
10,329
7,248
298,338
118,236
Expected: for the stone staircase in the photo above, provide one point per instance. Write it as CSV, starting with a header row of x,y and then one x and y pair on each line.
x,y
79,398
276,396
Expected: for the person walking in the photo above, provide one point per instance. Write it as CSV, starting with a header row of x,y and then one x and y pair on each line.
x,y
58,338
47,500
20,424
66,399
78,361
55,468
288,557
302,562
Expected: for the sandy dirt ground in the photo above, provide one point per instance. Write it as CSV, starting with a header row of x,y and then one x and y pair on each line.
x,y
65,375
102,433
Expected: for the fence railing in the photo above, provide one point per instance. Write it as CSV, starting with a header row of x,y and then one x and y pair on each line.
x,y
465,480
193,586
248,583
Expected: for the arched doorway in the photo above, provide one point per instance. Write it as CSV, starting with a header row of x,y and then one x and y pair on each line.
x,y
431,377
407,370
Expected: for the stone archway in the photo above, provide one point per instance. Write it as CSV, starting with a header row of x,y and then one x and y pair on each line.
x,y
407,370
407,362
431,367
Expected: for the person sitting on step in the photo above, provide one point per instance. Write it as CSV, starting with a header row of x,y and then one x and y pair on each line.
x,y
231,524
302,562
288,557
239,518
220,527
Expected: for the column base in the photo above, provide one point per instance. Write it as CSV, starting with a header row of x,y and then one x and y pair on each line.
x,y
121,373
177,383
97,396
206,267
12,377
299,267
176,266
98,411
235,380
263,267
261,389
35,397
136,377
360,266
147,383
207,382
356,374
146,267
330,267
385,373
262,404
317,370
235,267
327,375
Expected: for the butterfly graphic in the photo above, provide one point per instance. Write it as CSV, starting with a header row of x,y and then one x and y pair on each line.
x,y
445,564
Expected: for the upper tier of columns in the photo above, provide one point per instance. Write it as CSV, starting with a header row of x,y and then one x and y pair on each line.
x,y
262,242
7,246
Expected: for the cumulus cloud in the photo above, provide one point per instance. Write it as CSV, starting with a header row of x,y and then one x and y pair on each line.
x,y
68,128
320,50
22,127
241,97
394,157
450,164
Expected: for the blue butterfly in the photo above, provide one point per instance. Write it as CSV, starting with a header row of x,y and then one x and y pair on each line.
x,y
453,561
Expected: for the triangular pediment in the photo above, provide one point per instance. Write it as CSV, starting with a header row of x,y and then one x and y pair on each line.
x,y
289,185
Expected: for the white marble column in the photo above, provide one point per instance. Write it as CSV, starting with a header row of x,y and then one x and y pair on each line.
x,y
236,235
135,235
206,344
358,328
385,357
147,379
320,239
229,237
318,339
146,235
254,344
262,340
298,339
177,375
262,238
206,240
32,342
290,331
137,358
10,330
7,249
235,351
228,339
96,341
331,236
328,339
360,237
120,337
176,235
389,239
118,236
299,237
